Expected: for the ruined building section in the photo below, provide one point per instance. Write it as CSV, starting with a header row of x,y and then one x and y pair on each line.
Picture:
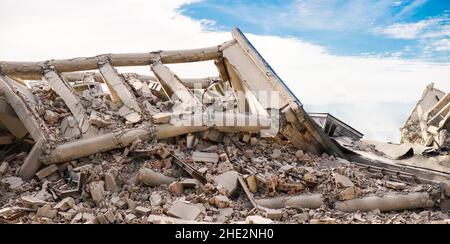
x,y
68,111
428,123
108,147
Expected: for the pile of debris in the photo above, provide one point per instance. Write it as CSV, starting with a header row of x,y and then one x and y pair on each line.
x,y
104,147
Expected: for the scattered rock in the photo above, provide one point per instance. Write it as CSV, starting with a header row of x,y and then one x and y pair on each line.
x,y
256,219
97,191
342,181
183,210
65,204
228,180
47,211
276,154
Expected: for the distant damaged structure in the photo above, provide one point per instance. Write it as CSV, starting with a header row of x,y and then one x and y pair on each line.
x,y
429,122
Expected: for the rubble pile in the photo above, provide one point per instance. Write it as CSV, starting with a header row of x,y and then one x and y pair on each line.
x,y
147,186
107,147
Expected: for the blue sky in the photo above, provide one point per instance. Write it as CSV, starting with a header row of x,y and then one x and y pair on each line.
x,y
411,29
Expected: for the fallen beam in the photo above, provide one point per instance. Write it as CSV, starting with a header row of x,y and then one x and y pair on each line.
x,y
387,203
26,70
89,146
313,201
151,178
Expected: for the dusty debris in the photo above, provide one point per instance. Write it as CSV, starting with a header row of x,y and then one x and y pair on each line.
x,y
105,147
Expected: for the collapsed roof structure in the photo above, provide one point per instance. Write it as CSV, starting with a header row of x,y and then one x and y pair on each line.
x,y
62,109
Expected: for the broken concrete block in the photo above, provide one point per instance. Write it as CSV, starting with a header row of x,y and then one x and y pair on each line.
x,y
190,141
102,219
395,185
349,193
205,157
224,157
254,141
246,138
183,210
110,216
13,182
32,201
256,219
65,204
342,181
228,180
77,218
149,177
3,168
322,221
51,117
252,184
176,188
155,199
110,182
97,191
41,174
131,204
276,153
47,211
88,217
142,211
67,216
129,218
273,214
299,155
220,201
98,120
163,152
120,203
286,168
190,183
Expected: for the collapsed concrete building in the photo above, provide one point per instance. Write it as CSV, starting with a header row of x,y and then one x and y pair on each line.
x,y
196,141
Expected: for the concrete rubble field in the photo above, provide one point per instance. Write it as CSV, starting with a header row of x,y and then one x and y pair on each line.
x,y
82,143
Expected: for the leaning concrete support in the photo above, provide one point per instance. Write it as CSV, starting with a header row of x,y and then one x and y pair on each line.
x,y
387,203
313,201
25,70
21,107
73,102
173,85
116,82
9,119
32,162
149,177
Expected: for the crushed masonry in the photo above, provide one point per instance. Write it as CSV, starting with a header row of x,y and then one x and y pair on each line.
x,y
104,147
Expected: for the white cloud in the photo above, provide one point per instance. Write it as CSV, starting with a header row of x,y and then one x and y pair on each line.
x,y
40,30
430,28
407,30
442,45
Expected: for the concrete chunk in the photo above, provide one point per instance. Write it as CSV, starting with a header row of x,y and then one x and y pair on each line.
x,y
183,210
256,219
228,180
65,204
41,174
342,181
205,157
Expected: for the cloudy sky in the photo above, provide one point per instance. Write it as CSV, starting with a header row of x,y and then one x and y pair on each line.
x,y
365,61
